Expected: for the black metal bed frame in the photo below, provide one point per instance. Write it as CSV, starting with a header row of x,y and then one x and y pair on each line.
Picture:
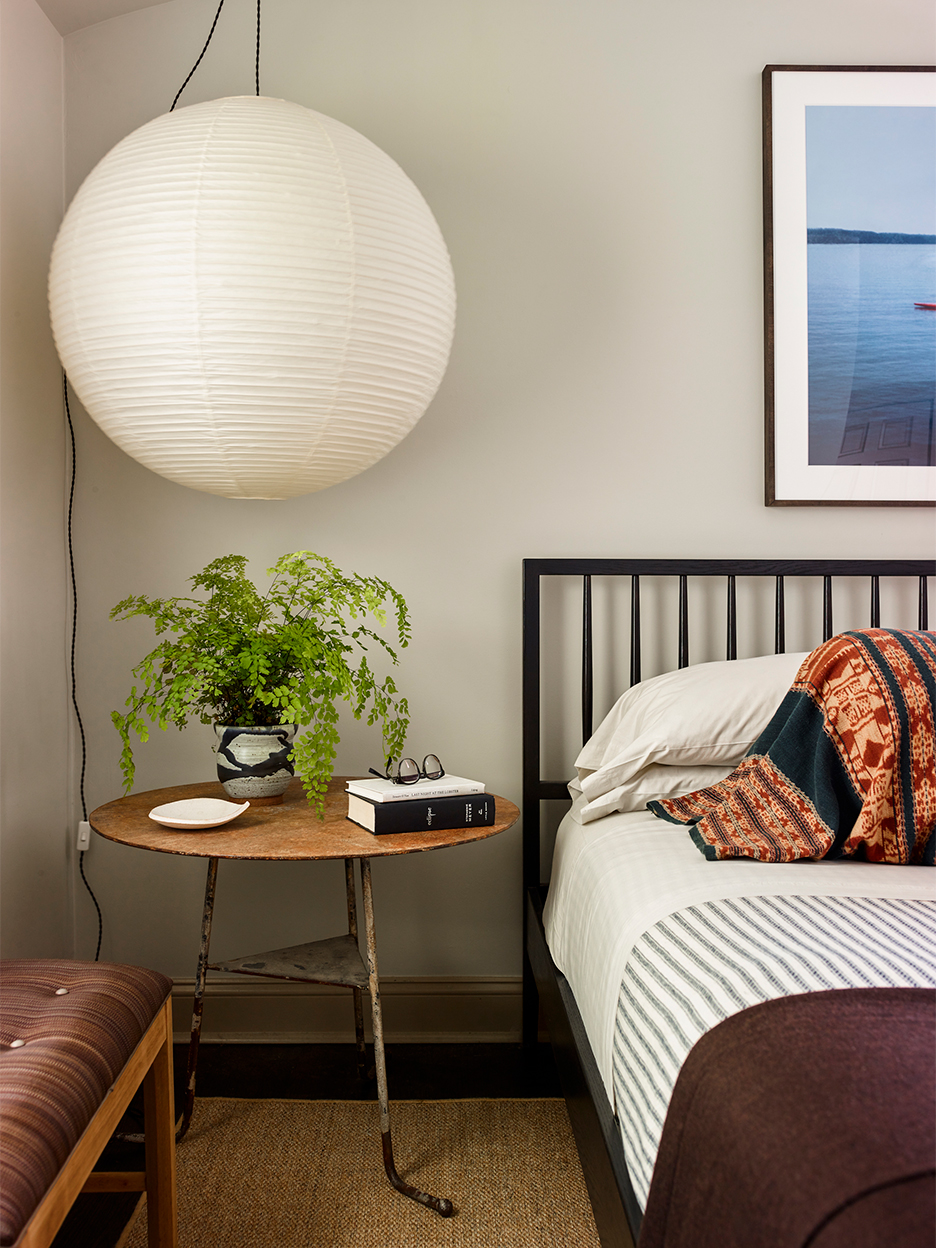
x,y
616,1209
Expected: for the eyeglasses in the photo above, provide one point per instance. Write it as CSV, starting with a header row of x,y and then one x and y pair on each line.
x,y
408,770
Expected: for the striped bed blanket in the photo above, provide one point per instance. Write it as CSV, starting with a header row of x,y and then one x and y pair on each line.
x,y
846,767
710,961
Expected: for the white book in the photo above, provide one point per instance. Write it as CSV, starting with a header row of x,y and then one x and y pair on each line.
x,y
386,791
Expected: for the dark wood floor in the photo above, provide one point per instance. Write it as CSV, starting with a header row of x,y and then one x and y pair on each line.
x,y
316,1072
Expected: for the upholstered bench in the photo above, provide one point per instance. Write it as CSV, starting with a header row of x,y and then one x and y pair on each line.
x,y
76,1041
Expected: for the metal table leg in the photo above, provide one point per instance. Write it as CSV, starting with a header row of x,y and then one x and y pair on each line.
x,y
358,997
200,977
442,1206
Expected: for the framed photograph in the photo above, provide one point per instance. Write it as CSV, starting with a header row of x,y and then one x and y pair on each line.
x,y
850,285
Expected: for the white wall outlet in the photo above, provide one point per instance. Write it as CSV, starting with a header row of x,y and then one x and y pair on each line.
x,y
84,835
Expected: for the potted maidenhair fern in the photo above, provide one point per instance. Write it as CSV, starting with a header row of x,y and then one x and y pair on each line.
x,y
260,667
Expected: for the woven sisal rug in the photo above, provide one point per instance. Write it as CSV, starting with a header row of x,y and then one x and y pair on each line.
x,y
309,1174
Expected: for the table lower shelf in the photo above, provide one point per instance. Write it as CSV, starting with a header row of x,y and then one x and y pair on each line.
x,y
336,960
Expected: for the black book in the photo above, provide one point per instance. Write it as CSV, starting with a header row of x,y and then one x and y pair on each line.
x,y
472,810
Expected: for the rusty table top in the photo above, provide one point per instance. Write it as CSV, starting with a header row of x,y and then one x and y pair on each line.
x,y
289,831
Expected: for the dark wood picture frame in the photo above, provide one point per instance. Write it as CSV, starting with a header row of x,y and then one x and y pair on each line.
x,y
788,479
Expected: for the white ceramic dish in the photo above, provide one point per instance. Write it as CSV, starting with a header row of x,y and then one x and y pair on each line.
x,y
196,813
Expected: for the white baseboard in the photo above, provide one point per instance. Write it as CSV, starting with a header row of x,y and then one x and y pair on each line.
x,y
429,1009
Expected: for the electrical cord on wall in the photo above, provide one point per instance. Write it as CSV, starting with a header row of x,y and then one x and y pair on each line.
x,y
74,634
205,49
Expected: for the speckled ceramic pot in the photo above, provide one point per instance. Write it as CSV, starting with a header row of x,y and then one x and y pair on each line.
x,y
255,764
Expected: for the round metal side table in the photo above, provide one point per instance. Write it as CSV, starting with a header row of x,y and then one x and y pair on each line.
x,y
291,832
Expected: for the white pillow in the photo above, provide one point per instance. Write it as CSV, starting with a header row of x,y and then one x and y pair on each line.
x,y
652,783
705,715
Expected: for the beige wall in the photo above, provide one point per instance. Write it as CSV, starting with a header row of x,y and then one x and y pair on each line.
x,y
34,763
595,169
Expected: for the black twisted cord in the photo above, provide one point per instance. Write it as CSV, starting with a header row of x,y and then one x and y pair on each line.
x,y
205,49
74,634
199,61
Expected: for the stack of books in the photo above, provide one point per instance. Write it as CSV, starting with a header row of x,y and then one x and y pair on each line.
x,y
450,802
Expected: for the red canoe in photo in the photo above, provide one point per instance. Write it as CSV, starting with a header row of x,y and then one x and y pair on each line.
x,y
930,306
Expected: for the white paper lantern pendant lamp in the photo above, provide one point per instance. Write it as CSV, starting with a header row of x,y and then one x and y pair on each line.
x,y
251,298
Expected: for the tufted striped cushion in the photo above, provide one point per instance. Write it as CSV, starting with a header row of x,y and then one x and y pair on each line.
x,y
60,1051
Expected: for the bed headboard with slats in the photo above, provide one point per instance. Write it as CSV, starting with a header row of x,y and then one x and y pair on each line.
x,y
535,788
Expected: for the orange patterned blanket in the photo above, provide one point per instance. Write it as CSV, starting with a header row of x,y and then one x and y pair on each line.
x,y
846,767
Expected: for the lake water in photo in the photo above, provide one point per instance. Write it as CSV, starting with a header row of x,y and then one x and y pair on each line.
x,y
872,354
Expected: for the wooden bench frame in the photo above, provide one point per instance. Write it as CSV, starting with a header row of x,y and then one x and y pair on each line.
x,y
150,1064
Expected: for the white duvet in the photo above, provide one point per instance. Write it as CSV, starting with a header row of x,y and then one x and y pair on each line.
x,y
614,878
